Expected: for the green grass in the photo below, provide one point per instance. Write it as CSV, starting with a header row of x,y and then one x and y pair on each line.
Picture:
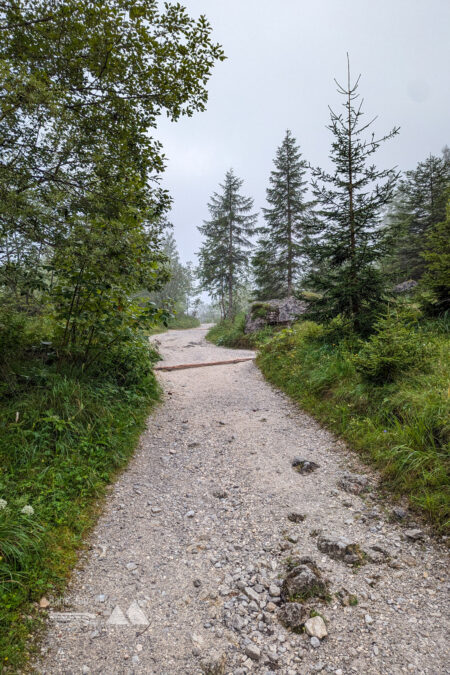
x,y
230,333
183,321
179,322
401,423
65,435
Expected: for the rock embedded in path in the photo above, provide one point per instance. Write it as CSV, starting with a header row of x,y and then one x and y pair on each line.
x,y
253,652
296,517
253,595
353,483
293,615
220,494
303,581
214,664
414,534
274,591
399,513
315,627
304,465
376,554
340,548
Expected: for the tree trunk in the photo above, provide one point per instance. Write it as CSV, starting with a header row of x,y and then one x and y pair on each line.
x,y
230,262
354,300
289,214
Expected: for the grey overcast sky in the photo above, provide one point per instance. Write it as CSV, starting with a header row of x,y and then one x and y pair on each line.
x,y
282,58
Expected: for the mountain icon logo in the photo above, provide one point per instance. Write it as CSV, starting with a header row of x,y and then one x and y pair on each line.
x,y
134,616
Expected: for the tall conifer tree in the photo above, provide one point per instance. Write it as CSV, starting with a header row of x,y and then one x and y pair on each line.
x,y
225,251
419,206
347,253
276,263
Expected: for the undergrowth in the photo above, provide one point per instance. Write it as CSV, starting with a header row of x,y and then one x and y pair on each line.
x,y
65,434
183,321
230,333
177,322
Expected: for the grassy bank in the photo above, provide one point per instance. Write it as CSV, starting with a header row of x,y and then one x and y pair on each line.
x,y
65,434
387,396
178,322
230,333
183,321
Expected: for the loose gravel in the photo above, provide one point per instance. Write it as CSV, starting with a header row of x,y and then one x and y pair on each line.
x,y
186,565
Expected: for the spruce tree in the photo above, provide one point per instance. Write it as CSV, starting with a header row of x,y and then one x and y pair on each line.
x,y
419,206
224,254
179,288
347,252
276,263
436,255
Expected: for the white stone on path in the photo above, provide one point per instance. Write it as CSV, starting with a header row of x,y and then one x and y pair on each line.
x,y
315,627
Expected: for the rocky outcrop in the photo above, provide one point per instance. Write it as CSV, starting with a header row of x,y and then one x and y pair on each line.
x,y
274,313
405,286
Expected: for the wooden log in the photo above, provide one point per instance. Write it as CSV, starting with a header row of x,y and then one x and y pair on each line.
x,y
183,366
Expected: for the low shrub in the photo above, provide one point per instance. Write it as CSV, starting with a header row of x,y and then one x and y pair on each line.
x,y
229,333
393,349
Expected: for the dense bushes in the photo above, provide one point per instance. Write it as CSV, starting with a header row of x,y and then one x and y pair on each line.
x,y
393,348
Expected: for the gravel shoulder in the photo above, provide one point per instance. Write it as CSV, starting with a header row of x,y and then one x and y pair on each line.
x,y
185,567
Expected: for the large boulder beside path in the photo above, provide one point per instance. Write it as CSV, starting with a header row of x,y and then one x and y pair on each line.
x,y
274,313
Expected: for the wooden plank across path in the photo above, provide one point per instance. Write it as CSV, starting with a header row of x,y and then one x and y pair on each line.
x,y
183,366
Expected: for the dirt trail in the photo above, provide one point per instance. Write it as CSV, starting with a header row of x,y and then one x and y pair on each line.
x,y
185,565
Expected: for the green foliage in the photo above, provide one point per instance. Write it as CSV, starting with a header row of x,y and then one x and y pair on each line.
x,y
259,310
231,334
81,207
183,321
82,86
179,289
393,349
437,267
419,205
401,424
65,433
350,241
277,258
223,256
308,296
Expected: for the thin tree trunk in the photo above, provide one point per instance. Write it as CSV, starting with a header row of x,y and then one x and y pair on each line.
x,y
230,263
289,271
354,300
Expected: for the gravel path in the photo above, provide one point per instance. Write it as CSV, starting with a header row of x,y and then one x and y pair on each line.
x,y
186,565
